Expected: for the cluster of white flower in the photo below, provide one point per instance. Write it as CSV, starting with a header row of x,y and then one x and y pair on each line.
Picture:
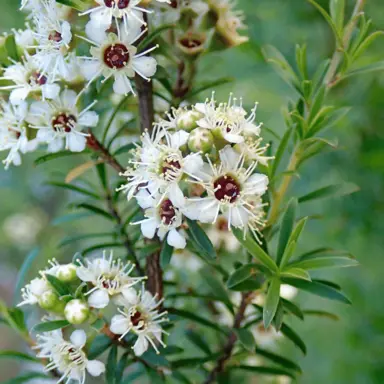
x,y
199,163
38,112
90,286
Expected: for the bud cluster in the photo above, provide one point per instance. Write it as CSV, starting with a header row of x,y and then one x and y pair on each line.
x,y
199,163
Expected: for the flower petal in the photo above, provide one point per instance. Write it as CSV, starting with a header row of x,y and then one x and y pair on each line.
x,y
95,367
78,338
98,299
176,240
140,346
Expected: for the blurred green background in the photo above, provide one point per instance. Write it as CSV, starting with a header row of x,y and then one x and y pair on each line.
x,y
348,351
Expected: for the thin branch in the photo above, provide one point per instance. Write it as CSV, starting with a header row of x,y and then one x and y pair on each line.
x,y
229,346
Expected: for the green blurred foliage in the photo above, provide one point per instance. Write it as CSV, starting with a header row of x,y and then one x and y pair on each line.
x,y
348,351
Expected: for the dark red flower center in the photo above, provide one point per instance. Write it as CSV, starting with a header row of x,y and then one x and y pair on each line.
x,y
121,4
167,212
170,166
64,122
55,36
226,188
116,56
190,42
137,318
37,78
173,4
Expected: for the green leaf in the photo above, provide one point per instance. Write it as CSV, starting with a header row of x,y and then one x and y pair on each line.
x,y
281,150
272,301
255,250
365,44
327,120
75,188
320,313
120,367
246,339
318,288
194,361
209,85
296,272
96,247
73,239
288,253
96,210
286,363
331,23
25,377
17,356
110,370
70,217
196,318
20,280
292,308
57,155
323,252
14,318
153,35
330,190
201,239
200,342
125,149
337,9
11,47
245,274
325,262
48,326
264,370
99,345
215,286
60,287
80,5
165,254
289,333
279,316
287,223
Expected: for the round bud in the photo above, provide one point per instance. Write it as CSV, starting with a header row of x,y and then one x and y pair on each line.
x,y
48,300
187,121
76,311
200,140
66,273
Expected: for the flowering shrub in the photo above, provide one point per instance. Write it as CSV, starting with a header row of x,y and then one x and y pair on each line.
x,y
199,193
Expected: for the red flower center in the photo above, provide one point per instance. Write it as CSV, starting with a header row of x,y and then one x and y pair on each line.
x,y
226,189
55,36
170,167
64,122
121,4
137,318
116,56
167,212
37,78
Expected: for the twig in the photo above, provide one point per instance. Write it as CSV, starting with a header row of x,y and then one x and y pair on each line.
x,y
228,348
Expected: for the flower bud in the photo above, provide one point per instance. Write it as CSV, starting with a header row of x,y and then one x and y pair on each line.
x,y
187,121
48,300
200,140
76,311
66,273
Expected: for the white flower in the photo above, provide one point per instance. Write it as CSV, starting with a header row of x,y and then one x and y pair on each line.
x,y
28,79
53,37
59,122
24,37
165,219
117,57
229,187
221,236
265,337
253,151
160,166
13,133
140,316
109,278
228,121
32,292
66,357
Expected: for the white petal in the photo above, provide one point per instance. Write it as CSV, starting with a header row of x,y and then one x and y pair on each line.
x,y
89,68
78,338
119,324
229,157
145,65
176,195
98,299
56,145
69,98
174,239
179,138
193,163
18,95
239,217
140,346
122,85
85,274
89,119
50,91
130,295
95,367
258,182
66,32
76,143
148,228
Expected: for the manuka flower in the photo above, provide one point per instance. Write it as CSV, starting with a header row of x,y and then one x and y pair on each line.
x,y
68,357
60,123
117,57
140,315
108,277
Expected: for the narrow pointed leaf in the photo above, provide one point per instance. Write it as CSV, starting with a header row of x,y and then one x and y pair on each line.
x,y
294,337
272,301
201,239
296,272
325,262
48,326
110,370
246,339
165,254
286,363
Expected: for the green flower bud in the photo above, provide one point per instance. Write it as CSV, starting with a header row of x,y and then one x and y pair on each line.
x,y
200,140
48,300
76,311
187,121
67,273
